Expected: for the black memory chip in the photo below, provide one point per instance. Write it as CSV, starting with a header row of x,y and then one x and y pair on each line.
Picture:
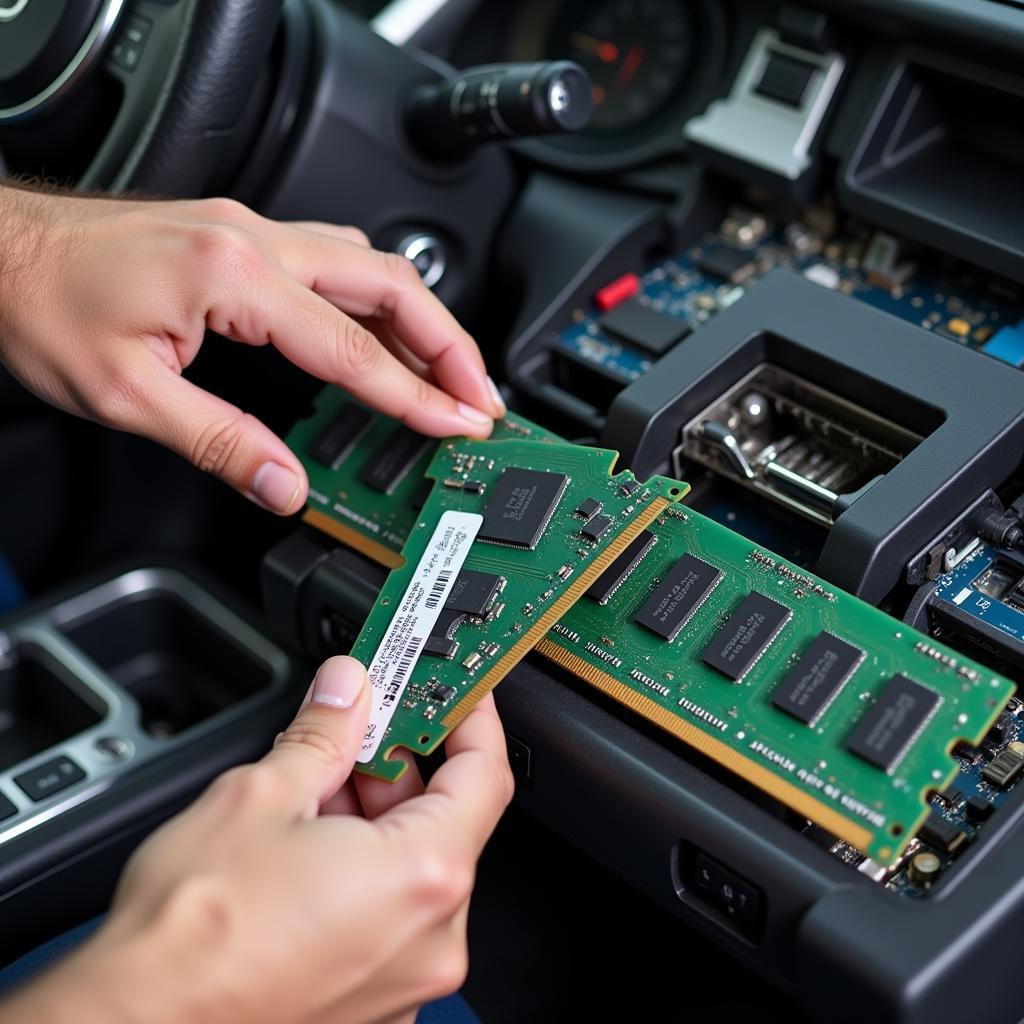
x,y
640,325
521,505
889,726
474,592
441,647
335,442
596,528
745,637
730,265
602,589
684,589
388,465
813,682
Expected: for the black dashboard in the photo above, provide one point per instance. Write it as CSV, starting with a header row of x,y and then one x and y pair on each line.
x,y
784,263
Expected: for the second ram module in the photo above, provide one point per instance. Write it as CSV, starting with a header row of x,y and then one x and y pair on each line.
x,y
841,712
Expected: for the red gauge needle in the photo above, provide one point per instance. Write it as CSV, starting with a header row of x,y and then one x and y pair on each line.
x,y
605,51
630,66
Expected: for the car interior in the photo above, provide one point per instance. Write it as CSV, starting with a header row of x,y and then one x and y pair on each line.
x,y
772,249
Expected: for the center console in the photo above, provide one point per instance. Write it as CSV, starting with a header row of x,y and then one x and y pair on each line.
x,y
119,700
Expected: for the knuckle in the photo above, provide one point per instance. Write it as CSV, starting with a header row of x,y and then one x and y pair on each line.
x,y
117,402
223,248
359,353
217,444
313,735
442,882
358,236
252,785
224,210
423,393
202,905
400,270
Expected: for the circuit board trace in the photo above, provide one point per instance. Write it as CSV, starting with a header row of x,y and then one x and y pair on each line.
x,y
811,765
539,554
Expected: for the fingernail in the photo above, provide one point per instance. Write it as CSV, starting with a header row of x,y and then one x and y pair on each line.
x,y
339,683
467,412
496,395
275,486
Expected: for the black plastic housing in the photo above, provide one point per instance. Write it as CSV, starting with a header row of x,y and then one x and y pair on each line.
x,y
969,407
850,950
942,157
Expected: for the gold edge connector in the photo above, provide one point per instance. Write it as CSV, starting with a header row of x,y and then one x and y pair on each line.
x,y
530,638
364,545
818,812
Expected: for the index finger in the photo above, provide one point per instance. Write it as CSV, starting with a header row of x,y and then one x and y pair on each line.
x,y
367,283
468,794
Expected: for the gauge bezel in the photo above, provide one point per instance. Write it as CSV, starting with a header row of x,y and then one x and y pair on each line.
x,y
654,137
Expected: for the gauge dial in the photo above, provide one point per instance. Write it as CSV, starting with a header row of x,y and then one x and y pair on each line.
x,y
636,52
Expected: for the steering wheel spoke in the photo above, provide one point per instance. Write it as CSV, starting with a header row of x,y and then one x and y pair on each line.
x,y
143,48
180,73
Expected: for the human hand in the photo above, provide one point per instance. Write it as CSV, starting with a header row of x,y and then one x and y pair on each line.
x,y
290,893
104,303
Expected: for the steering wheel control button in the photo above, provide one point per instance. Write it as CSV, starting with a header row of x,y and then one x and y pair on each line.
x,y
7,808
427,254
45,46
48,778
127,50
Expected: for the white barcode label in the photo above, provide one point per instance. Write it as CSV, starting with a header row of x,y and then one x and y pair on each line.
x,y
413,620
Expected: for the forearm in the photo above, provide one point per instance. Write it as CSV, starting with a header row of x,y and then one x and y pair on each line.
x,y
110,981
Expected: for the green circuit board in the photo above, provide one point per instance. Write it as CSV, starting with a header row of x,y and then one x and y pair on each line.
x,y
366,471
512,533
838,710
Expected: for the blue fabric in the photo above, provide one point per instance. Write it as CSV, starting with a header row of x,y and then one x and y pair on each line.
x,y
11,592
453,1010
43,956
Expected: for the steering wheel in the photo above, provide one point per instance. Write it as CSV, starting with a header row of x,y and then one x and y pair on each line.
x,y
156,87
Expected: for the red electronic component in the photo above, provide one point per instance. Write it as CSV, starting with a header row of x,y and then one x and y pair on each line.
x,y
616,291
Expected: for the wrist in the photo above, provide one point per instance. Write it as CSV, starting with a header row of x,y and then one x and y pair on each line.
x,y
26,225
123,975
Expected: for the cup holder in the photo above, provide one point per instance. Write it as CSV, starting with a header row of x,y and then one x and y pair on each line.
x,y
176,660
41,703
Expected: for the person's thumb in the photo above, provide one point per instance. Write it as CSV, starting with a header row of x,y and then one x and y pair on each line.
x,y
317,752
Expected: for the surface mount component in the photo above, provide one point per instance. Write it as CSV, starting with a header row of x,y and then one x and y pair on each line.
x,y
521,538
366,472
839,711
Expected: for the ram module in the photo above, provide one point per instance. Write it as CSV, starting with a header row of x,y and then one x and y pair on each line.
x,y
839,711
366,472
489,569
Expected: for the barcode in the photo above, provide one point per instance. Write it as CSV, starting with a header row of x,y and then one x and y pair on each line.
x,y
406,662
438,589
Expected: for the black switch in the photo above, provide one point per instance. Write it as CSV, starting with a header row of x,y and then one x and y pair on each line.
x,y
7,809
738,898
49,777
786,79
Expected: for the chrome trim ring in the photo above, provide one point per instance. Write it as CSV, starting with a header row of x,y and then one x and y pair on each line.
x,y
10,12
88,54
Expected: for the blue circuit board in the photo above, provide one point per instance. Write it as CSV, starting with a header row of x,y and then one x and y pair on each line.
x,y
968,782
958,303
978,585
